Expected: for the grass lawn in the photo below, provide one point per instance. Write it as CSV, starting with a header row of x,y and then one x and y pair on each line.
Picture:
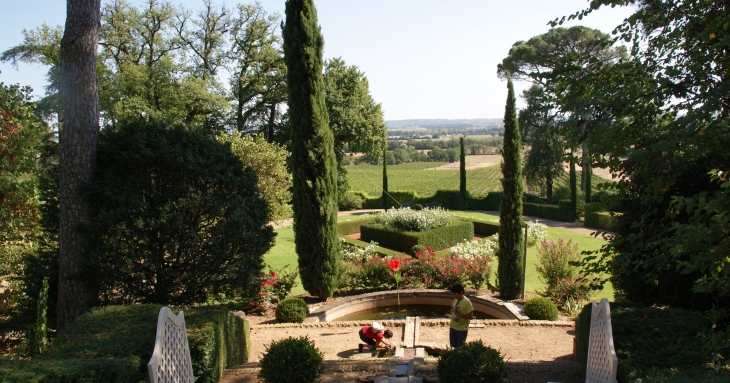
x,y
283,253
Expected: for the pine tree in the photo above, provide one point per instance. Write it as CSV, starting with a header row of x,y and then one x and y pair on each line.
x,y
385,178
462,174
510,209
314,166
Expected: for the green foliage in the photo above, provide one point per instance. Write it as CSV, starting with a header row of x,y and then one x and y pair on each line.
x,y
484,227
563,284
603,220
313,162
384,195
647,339
292,310
114,344
439,238
291,360
351,227
176,204
540,308
268,161
510,209
349,201
473,362
37,336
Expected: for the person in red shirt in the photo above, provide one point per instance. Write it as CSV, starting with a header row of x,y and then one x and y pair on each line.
x,y
373,337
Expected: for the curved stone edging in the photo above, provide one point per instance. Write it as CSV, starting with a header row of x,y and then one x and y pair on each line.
x,y
486,304
424,322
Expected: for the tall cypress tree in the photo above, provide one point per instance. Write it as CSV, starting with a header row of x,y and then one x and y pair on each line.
x,y
385,178
510,208
573,189
462,174
314,167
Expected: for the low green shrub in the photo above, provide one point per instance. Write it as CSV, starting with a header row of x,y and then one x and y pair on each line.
x,y
484,227
292,310
603,220
542,211
563,284
406,219
352,227
649,339
291,360
349,201
473,362
439,238
540,308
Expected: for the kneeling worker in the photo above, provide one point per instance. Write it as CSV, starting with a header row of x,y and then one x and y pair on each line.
x,y
373,336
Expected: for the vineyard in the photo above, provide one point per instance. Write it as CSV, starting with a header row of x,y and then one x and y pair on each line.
x,y
421,177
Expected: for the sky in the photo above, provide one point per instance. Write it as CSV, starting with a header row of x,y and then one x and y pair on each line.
x,y
424,59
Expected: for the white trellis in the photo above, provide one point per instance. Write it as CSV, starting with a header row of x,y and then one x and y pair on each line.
x,y
602,360
170,362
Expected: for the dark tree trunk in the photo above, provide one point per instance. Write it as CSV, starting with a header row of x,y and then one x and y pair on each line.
x,y
80,100
270,126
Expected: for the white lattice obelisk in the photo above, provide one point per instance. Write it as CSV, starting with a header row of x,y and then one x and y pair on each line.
x,y
170,362
602,360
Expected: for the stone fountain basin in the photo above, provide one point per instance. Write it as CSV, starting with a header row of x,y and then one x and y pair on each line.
x,y
486,304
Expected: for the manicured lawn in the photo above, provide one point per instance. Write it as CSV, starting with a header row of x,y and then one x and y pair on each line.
x,y
283,252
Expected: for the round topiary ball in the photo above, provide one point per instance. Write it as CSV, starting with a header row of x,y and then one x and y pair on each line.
x,y
472,362
540,308
292,310
291,360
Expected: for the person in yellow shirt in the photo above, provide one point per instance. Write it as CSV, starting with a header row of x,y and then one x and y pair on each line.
x,y
461,312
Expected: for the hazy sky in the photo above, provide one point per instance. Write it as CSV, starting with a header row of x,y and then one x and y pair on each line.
x,y
423,58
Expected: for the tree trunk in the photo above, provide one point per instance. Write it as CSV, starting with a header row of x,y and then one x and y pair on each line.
x,y
80,100
272,120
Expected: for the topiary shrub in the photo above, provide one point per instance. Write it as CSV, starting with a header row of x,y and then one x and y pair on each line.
x,y
417,249
291,360
540,308
473,362
292,310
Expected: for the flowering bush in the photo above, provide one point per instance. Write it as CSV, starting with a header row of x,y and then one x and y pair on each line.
x,y
414,220
485,247
273,287
536,233
564,285
352,252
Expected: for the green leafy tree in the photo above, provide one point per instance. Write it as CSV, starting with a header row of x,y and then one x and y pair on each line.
x,y
545,153
268,160
22,133
510,208
555,60
669,140
313,162
179,218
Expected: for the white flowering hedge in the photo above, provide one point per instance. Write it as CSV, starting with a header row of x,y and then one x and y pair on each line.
x,y
485,247
352,252
414,220
536,233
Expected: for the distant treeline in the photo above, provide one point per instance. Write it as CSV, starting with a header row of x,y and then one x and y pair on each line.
x,y
441,131
428,150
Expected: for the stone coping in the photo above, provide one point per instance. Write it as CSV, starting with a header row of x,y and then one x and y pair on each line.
x,y
482,303
424,322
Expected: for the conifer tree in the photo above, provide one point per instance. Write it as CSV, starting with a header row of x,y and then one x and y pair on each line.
x,y
314,167
510,209
462,174
385,178
573,190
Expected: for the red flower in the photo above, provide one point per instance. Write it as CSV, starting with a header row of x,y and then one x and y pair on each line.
x,y
394,264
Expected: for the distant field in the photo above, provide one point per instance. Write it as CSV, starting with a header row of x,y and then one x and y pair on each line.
x,y
415,176
483,175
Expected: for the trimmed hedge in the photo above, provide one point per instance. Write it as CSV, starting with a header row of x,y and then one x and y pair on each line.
x,y
448,199
352,227
648,338
383,252
603,220
543,211
438,238
485,228
114,344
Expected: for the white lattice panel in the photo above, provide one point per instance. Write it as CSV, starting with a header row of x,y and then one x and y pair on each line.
x,y
170,362
602,361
